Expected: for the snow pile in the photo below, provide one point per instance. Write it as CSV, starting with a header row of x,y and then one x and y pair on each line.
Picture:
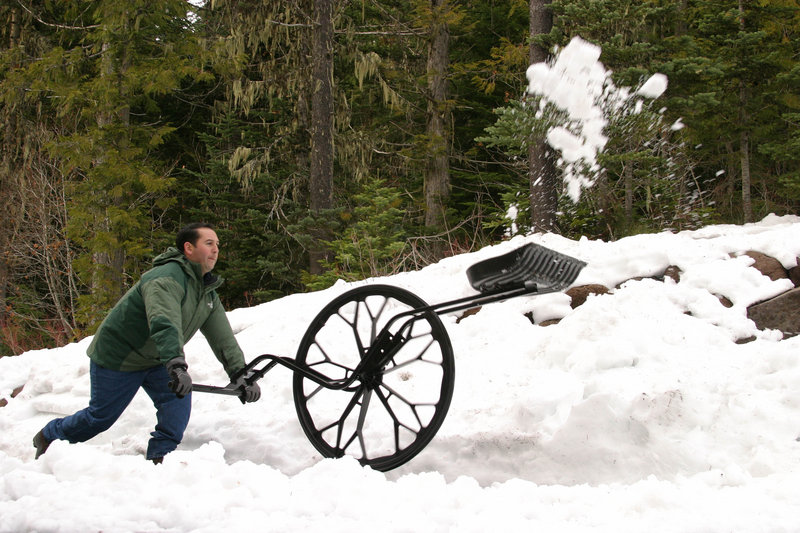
x,y
637,412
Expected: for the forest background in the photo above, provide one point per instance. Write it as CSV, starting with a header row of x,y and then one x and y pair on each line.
x,y
328,139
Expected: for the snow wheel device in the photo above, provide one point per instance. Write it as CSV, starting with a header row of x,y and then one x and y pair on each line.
x,y
374,372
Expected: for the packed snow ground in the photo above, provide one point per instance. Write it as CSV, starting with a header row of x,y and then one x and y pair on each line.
x,y
637,412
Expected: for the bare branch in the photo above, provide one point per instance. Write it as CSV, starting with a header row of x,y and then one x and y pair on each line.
x,y
52,24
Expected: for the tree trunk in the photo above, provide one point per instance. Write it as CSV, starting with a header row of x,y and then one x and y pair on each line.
x,y
744,138
627,173
4,275
7,191
744,160
321,164
437,173
542,172
680,24
14,31
109,277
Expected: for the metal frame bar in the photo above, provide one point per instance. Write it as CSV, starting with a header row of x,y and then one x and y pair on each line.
x,y
384,338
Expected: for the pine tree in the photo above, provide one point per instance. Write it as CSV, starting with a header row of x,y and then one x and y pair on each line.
x,y
259,259
645,169
372,241
730,83
109,79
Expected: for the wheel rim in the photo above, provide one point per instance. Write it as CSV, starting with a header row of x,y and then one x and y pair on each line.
x,y
392,411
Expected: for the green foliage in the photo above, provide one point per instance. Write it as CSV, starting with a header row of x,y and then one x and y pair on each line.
x,y
518,125
372,239
728,77
140,118
724,65
258,257
106,80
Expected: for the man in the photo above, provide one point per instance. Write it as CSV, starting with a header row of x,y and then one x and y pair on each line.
x,y
140,344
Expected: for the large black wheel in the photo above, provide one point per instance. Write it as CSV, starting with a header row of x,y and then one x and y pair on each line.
x,y
404,373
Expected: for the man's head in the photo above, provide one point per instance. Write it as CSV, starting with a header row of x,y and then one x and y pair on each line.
x,y
199,243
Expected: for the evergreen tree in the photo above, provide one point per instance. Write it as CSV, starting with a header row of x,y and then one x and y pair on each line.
x,y
108,79
645,168
729,76
780,142
259,259
372,240
123,121
250,174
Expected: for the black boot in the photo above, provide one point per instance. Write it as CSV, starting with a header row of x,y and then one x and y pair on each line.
x,y
41,443
157,460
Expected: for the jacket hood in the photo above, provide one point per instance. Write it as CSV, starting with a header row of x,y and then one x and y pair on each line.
x,y
173,254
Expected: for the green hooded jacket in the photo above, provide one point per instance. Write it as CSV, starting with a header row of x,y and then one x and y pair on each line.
x,y
151,323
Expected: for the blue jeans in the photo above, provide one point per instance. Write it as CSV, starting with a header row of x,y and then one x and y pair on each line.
x,y
111,392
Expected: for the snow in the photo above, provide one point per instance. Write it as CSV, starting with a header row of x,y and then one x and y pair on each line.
x,y
576,83
638,411
654,86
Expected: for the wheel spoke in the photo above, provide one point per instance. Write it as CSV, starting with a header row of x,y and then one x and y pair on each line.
x,y
397,422
366,397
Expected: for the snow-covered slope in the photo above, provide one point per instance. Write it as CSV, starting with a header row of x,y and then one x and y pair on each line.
x,y
637,412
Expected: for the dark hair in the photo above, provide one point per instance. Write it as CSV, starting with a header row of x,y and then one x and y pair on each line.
x,y
190,234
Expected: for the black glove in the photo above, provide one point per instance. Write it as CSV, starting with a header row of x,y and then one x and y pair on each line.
x,y
249,392
252,393
181,381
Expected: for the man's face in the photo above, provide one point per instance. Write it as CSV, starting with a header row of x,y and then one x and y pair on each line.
x,y
205,250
